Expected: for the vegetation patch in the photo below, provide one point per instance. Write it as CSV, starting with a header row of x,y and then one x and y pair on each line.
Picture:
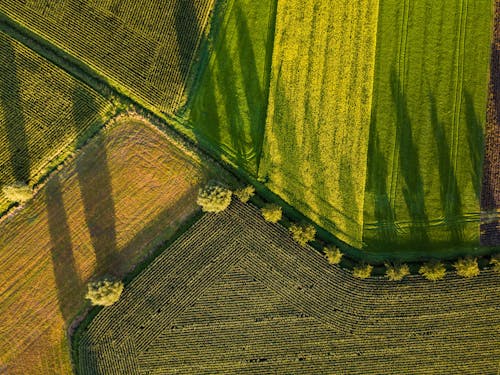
x,y
333,254
467,267
302,233
104,292
433,270
396,272
214,198
272,213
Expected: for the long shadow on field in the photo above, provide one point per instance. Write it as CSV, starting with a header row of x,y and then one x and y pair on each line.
x,y
95,187
66,275
14,122
450,194
187,30
409,165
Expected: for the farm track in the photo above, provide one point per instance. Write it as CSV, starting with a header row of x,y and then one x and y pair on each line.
x,y
235,294
490,194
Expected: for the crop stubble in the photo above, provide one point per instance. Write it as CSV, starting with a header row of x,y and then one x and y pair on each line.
x,y
72,230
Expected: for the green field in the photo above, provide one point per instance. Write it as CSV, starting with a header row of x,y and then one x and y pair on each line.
x,y
427,125
319,105
43,112
228,109
145,49
236,295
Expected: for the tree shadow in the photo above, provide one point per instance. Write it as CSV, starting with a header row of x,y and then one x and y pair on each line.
x,y
95,187
66,275
409,165
10,100
449,190
187,31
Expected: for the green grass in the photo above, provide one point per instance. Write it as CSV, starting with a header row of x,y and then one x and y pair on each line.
x,y
427,124
44,114
317,126
228,109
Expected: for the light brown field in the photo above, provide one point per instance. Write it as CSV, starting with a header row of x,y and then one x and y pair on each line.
x,y
126,191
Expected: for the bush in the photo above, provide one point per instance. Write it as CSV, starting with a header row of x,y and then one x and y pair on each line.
x,y
333,254
467,267
363,271
214,198
271,213
244,194
396,272
302,234
433,270
495,262
18,192
104,292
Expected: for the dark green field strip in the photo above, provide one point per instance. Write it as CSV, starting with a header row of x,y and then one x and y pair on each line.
x,y
147,49
235,294
427,126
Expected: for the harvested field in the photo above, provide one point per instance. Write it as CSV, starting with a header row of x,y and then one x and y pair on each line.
x,y
43,112
490,193
146,48
235,294
317,128
127,191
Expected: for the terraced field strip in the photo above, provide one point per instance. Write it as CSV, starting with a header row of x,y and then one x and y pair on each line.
x,y
317,128
43,112
490,193
427,129
235,294
228,108
127,191
146,49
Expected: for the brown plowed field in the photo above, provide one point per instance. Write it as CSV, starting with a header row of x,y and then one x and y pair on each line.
x,y
125,192
490,195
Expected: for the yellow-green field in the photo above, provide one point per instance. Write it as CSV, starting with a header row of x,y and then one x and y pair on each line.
x,y
127,191
317,128
43,112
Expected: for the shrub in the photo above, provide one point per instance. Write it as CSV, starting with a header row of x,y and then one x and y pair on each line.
x,y
244,194
18,192
362,271
272,213
495,262
333,254
214,198
396,272
302,234
433,270
104,292
467,267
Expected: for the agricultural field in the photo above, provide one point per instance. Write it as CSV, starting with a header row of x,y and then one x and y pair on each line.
x,y
145,48
44,114
125,192
236,294
427,126
317,127
228,108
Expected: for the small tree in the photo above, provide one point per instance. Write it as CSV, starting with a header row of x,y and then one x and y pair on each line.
x,y
214,198
396,272
495,262
302,234
272,213
433,270
467,267
104,292
244,194
18,192
333,254
362,271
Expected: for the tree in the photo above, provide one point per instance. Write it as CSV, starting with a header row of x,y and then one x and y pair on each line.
x,y
396,272
214,198
467,267
18,192
362,271
272,213
433,270
333,254
104,292
244,194
495,262
302,234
